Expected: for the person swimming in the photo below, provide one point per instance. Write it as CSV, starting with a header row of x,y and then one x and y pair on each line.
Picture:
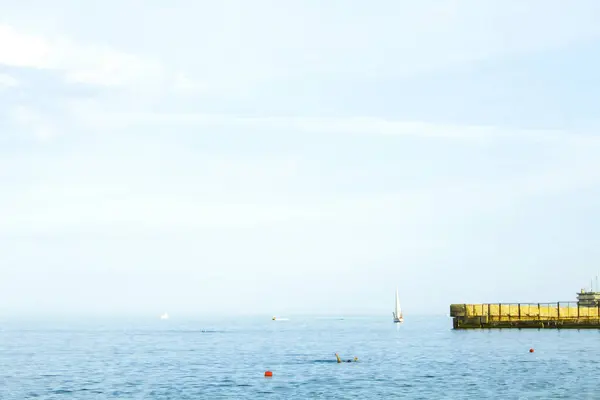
x,y
339,360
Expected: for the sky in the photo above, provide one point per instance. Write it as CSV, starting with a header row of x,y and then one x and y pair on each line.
x,y
277,158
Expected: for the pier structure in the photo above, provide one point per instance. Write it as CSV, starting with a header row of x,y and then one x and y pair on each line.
x,y
581,314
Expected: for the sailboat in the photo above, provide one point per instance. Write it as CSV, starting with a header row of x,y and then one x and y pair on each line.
x,y
398,318
164,316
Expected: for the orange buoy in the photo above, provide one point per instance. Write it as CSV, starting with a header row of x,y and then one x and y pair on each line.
x,y
531,350
268,374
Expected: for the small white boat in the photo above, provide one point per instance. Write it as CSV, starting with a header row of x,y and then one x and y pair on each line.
x,y
164,316
397,313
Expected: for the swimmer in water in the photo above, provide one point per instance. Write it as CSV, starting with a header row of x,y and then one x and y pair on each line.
x,y
339,360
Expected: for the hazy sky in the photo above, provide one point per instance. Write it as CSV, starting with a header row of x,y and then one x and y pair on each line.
x,y
247,157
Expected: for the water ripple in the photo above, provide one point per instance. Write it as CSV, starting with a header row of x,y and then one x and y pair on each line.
x,y
422,359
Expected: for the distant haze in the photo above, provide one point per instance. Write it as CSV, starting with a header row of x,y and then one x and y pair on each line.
x,y
239,158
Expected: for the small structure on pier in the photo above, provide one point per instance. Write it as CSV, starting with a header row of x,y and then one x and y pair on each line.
x,y
588,298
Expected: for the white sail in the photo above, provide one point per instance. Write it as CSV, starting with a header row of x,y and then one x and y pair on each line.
x,y
398,310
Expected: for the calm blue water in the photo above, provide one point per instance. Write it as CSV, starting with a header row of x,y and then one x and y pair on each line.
x,y
422,359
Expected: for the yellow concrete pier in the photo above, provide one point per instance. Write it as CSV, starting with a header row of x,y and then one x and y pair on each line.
x,y
567,315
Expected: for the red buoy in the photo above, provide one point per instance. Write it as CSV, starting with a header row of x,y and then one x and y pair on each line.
x,y
268,374
531,350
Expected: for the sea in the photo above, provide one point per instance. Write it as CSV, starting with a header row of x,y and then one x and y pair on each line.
x,y
227,358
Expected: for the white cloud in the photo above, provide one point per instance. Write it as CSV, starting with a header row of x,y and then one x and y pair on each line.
x,y
92,64
33,122
93,115
8,81
182,84
236,46
21,50
244,51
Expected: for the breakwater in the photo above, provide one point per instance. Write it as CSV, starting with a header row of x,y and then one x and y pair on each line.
x,y
566,315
